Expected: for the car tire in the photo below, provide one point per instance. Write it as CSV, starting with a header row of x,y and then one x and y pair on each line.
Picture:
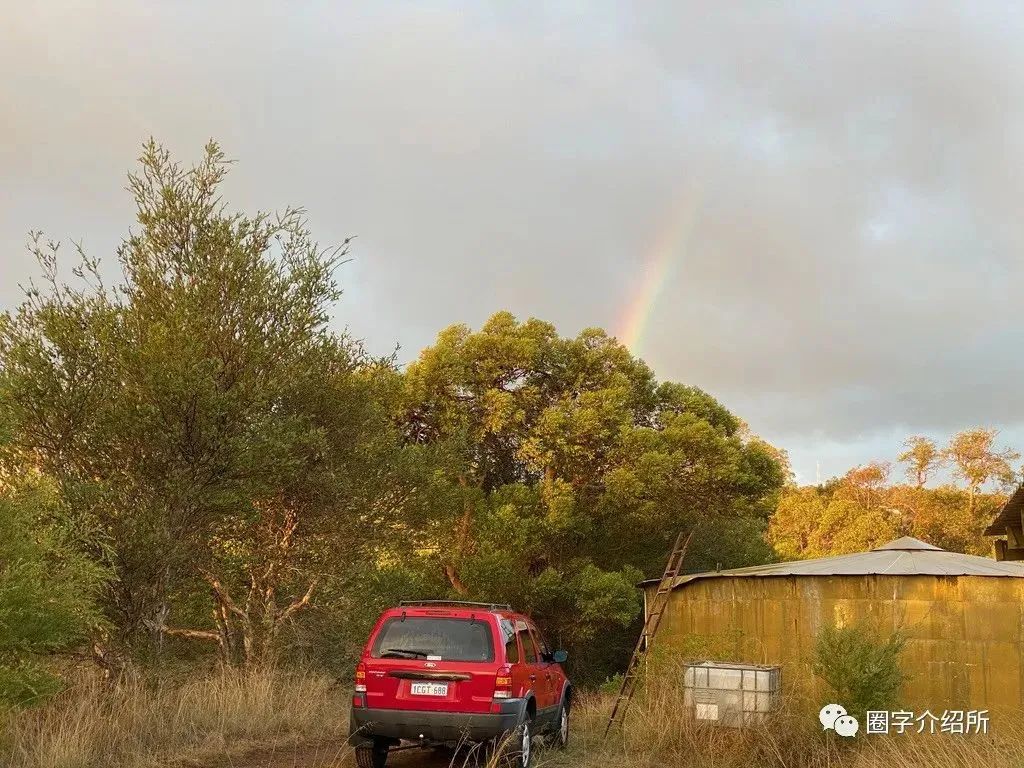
x,y
560,734
356,735
521,744
375,756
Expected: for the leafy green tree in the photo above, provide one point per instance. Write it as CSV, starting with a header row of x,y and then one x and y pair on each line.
x,y
848,527
226,441
793,529
922,457
976,460
852,514
553,449
48,589
866,484
944,517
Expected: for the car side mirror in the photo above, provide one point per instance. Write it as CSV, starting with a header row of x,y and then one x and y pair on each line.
x,y
560,657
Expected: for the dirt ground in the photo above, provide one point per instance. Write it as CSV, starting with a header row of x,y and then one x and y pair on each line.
x,y
322,755
339,755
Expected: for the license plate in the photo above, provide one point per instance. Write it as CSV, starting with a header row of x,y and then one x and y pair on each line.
x,y
429,689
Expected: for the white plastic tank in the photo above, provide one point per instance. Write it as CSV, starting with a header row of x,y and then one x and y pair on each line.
x,y
730,694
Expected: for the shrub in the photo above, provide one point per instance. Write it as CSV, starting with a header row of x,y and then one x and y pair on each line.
x,y
47,591
612,685
862,669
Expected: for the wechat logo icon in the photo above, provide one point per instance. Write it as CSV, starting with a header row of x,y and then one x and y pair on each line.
x,y
834,716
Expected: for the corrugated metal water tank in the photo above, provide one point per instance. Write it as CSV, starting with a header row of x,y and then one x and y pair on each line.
x,y
730,694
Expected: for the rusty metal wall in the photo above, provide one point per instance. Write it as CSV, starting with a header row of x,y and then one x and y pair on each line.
x,y
964,633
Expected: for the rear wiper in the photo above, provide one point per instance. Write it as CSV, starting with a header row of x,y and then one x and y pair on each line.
x,y
405,653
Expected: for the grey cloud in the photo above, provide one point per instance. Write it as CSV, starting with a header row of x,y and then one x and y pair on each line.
x,y
850,274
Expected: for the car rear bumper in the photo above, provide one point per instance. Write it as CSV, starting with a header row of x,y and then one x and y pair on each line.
x,y
434,726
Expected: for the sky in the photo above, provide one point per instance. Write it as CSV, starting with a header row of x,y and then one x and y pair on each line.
x,y
810,210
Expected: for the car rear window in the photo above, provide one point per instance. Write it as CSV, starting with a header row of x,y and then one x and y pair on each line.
x,y
417,637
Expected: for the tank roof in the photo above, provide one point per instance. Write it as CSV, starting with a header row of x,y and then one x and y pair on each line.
x,y
905,556
908,544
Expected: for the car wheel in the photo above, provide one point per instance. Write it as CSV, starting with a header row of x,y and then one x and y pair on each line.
x,y
560,737
522,745
372,757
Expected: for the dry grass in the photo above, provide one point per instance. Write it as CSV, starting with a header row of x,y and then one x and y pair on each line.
x,y
659,734
140,724
205,721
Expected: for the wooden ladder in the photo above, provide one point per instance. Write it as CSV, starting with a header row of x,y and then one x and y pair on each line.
x,y
651,623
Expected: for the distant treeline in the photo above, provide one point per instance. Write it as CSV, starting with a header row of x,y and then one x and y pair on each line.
x,y
864,508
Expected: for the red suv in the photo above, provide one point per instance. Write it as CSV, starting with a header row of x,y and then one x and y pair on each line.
x,y
445,673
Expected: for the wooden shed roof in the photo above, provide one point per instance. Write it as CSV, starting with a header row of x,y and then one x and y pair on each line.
x,y
1010,513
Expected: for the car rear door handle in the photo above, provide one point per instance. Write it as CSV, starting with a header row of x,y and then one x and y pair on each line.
x,y
533,678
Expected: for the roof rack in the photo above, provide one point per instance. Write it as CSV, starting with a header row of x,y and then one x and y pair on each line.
x,y
458,603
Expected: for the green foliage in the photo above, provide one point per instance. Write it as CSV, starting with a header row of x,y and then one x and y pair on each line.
x,y
224,438
711,646
549,450
333,632
47,590
855,514
262,484
863,509
611,685
922,457
862,669
976,460
946,517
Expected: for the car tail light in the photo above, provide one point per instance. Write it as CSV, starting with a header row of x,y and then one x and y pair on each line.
x,y
360,678
503,683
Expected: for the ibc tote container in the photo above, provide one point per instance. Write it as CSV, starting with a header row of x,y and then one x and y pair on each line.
x,y
730,694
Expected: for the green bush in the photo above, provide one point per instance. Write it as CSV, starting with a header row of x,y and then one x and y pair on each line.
x,y
612,685
47,591
861,667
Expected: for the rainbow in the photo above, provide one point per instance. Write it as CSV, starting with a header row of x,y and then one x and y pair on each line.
x,y
663,258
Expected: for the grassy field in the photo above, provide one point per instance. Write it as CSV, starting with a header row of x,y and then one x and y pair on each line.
x,y
274,719
658,734
140,724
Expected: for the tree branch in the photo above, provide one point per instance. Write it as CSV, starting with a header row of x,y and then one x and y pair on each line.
x,y
193,634
298,605
223,596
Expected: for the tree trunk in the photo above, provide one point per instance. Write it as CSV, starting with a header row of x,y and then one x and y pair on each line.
x,y
245,635
453,578
107,659
247,632
462,539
